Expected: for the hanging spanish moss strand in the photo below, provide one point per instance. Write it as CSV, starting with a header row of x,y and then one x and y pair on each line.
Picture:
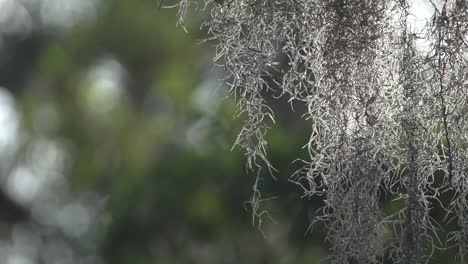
x,y
387,103
344,109
413,213
449,30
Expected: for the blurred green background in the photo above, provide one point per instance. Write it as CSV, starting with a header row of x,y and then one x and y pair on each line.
x,y
115,144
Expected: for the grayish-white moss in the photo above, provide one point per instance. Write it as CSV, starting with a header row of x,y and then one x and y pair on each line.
x,y
387,118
